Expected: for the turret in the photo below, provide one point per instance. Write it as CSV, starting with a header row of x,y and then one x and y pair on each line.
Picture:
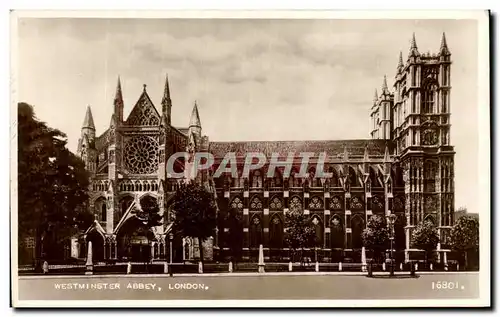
x,y
195,123
88,127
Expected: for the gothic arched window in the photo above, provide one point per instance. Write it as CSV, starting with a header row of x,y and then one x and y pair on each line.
x,y
125,203
337,232
295,204
315,203
100,208
318,229
255,232
236,203
276,232
353,179
256,204
276,203
428,97
335,203
357,225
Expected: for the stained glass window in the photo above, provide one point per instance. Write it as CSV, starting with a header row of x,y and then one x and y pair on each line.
x,y
295,204
335,203
256,204
316,203
276,204
237,203
141,155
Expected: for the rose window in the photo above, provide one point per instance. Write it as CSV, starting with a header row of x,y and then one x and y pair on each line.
x,y
276,204
141,155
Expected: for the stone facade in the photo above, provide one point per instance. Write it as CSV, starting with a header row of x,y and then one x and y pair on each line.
x,y
406,169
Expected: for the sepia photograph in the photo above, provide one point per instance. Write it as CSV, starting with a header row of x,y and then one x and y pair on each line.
x,y
250,159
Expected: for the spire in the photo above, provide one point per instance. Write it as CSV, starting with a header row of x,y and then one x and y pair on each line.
x,y
118,93
195,117
384,86
375,97
444,47
118,103
166,91
413,47
88,122
400,62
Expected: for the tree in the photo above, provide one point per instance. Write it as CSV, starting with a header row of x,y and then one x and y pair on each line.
x,y
376,236
194,213
464,236
149,217
235,236
299,231
52,184
425,237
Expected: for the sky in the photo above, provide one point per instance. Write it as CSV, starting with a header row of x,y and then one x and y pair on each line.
x,y
252,79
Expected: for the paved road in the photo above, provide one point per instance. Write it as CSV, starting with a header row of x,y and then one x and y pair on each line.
x,y
135,287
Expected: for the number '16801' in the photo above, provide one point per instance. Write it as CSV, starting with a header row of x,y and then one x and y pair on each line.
x,y
445,285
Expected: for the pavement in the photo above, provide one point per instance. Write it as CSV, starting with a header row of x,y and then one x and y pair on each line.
x,y
252,286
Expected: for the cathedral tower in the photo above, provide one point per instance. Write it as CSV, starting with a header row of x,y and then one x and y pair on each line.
x,y
422,136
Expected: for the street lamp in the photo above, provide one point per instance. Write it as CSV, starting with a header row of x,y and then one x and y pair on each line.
x,y
170,239
391,219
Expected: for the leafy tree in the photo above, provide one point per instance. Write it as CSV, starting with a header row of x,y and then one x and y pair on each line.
x,y
425,237
376,236
235,235
52,183
149,217
194,213
464,236
299,231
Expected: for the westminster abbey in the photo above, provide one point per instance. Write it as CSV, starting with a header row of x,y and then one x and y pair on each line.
x,y
405,168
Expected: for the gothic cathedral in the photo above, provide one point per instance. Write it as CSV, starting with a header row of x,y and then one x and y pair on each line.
x,y
405,169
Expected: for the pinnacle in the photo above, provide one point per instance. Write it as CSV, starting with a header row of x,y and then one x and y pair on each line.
x,y
413,47
88,122
384,85
375,97
400,62
166,90
444,46
195,117
118,93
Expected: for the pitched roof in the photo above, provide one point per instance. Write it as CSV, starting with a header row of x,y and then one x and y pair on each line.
x,y
195,117
331,147
88,122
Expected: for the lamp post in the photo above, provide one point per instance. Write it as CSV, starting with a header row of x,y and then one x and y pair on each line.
x,y
391,219
170,239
